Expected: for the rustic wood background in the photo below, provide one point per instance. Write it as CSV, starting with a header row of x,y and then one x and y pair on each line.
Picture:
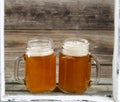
x,y
59,19
59,14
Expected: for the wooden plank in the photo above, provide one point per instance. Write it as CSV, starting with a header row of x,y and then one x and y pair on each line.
x,y
101,41
102,90
59,14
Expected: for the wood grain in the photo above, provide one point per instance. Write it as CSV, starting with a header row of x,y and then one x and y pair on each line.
x,y
59,14
101,90
101,41
59,19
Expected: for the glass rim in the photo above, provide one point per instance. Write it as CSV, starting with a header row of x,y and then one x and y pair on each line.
x,y
39,39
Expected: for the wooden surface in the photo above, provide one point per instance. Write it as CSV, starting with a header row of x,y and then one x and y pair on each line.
x,y
101,45
59,19
59,14
101,41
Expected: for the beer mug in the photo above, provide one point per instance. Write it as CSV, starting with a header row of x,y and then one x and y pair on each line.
x,y
75,66
40,66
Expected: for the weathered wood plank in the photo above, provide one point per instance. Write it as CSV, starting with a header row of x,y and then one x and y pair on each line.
x,y
101,41
59,14
102,90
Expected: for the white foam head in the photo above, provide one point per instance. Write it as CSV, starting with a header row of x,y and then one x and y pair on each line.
x,y
75,47
39,47
39,52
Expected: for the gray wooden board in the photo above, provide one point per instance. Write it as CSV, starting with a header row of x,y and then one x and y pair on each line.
x,y
101,41
59,14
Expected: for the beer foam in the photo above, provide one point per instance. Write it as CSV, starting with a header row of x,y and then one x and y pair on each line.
x,y
37,51
75,48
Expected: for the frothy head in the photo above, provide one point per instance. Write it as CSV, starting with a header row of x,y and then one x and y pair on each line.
x,y
75,47
39,52
39,47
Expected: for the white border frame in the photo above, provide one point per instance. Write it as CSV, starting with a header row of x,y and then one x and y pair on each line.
x,y
116,57
2,82
42,98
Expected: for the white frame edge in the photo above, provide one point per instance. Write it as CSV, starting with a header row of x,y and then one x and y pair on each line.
x,y
116,58
22,98
49,98
2,81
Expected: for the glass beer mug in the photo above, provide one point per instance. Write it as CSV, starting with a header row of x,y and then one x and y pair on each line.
x,y
40,66
75,66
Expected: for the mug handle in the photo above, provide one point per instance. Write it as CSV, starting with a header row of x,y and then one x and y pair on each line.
x,y
98,70
16,69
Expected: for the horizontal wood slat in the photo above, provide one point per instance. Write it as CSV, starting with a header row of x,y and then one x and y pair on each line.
x,y
101,41
101,90
59,14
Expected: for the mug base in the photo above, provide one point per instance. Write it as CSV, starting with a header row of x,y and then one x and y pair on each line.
x,y
69,91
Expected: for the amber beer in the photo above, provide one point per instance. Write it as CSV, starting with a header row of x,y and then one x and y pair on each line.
x,y
40,66
74,73
40,73
75,66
